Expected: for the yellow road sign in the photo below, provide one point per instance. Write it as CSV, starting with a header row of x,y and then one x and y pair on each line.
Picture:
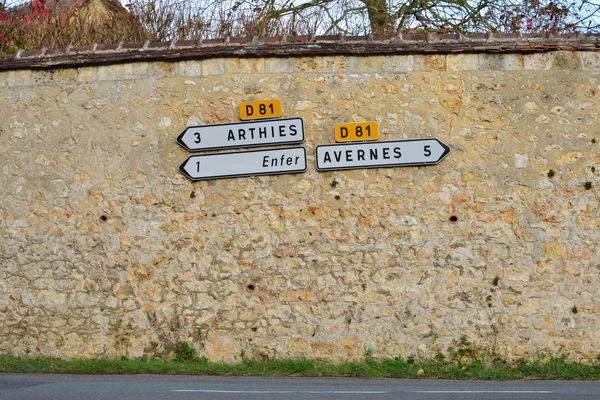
x,y
358,131
260,109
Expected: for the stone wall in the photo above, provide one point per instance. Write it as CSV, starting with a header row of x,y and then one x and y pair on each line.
x,y
106,250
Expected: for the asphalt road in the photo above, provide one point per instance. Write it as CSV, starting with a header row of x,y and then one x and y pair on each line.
x,y
149,387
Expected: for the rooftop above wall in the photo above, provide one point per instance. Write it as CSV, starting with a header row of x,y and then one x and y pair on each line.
x,y
284,46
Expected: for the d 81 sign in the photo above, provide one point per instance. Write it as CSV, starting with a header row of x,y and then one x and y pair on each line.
x,y
260,109
354,132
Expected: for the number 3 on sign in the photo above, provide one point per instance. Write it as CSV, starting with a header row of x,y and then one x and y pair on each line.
x,y
354,132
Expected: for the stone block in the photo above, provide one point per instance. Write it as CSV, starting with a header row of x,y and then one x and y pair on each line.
x,y
20,78
191,68
521,161
298,345
566,60
43,77
111,72
220,347
537,61
304,105
514,62
87,74
336,64
290,295
324,347
435,62
367,64
246,316
310,64
494,62
281,65
462,62
136,70
397,64
244,65
213,66
554,251
160,69
590,60
349,344
64,76
51,300
371,297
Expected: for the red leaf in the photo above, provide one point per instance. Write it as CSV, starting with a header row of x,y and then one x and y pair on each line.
x,y
35,8
38,7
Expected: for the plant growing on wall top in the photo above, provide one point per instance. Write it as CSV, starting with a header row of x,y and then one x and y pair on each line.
x,y
58,23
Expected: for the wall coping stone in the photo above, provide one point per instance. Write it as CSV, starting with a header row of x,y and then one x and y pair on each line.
x,y
296,46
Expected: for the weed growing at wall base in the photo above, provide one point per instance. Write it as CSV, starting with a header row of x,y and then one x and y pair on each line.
x,y
389,368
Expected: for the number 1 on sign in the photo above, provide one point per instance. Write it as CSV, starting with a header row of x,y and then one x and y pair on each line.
x,y
262,110
197,166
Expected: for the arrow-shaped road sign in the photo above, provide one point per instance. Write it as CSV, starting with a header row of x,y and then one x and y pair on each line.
x,y
396,153
245,163
242,134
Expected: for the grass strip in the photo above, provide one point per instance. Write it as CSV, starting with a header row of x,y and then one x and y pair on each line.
x,y
388,368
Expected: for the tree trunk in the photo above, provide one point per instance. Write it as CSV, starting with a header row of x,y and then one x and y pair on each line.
x,y
379,17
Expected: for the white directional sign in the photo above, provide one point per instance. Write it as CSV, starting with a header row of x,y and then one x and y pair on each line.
x,y
397,153
245,163
242,134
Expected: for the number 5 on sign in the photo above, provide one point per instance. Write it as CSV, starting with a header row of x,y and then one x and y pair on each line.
x,y
260,109
355,132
